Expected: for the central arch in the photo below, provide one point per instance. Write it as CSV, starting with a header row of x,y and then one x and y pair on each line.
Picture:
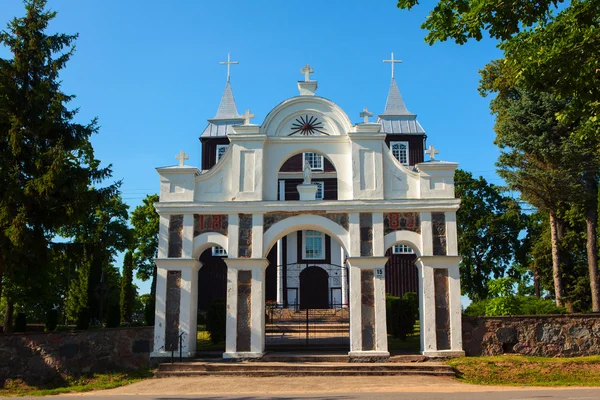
x,y
305,222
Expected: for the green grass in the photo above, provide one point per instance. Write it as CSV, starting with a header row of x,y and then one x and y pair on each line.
x,y
204,343
412,344
72,385
516,370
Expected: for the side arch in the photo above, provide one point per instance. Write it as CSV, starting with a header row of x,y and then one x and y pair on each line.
x,y
301,223
412,239
208,240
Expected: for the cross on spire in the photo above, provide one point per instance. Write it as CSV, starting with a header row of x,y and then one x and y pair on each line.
x,y
366,114
307,70
392,61
247,117
432,152
182,157
228,63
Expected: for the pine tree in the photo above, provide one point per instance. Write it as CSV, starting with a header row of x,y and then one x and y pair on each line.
x,y
127,288
47,162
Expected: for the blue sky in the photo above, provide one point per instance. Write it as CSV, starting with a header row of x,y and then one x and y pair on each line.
x,y
149,70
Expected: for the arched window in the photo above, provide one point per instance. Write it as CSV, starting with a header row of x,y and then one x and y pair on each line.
x,y
400,151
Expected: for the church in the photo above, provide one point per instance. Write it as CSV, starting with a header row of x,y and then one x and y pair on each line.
x,y
308,211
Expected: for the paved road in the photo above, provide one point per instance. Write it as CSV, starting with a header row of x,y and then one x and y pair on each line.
x,y
529,394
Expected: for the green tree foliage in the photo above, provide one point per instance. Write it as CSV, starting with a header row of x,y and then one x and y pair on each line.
x,y
47,162
145,221
488,227
127,293
101,236
401,314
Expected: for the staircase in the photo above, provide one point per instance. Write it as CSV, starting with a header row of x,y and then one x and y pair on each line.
x,y
293,364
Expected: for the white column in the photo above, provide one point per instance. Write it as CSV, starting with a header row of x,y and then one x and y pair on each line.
x,y
344,276
377,264
455,309
426,234
378,241
163,236
187,304
451,234
257,295
257,236
188,236
187,307
231,318
160,313
426,307
233,235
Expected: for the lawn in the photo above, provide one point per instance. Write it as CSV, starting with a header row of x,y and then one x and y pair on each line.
x,y
204,343
83,384
412,344
516,370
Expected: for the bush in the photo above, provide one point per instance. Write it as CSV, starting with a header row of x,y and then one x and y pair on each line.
x,y
20,322
402,313
51,320
149,311
513,305
83,319
215,320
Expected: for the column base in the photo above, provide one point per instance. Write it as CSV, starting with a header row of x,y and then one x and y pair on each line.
x,y
444,353
243,355
369,356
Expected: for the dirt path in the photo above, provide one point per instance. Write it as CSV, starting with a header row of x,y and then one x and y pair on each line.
x,y
218,385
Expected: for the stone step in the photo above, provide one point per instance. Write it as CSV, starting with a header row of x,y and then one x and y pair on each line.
x,y
290,369
275,373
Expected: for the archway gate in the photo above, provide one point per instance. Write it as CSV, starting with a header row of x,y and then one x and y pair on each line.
x,y
234,204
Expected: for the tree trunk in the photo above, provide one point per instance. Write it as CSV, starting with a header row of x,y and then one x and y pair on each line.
x,y
558,284
591,220
8,316
536,282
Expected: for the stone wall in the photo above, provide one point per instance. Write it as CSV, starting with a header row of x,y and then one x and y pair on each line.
x,y
538,335
45,357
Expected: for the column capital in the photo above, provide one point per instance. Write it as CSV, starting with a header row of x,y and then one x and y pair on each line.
x,y
438,261
177,263
246,263
367,262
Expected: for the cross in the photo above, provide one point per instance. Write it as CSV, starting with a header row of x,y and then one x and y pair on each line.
x,y
182,157
248,117
393,62
432,152
366,114
228,63
307,70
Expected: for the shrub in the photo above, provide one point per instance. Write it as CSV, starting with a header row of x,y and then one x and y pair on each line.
x,y
402,313
513,305
215,320
51,320
20,322
149,311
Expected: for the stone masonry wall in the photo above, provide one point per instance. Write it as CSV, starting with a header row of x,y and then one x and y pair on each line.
x,y
44,357
538,335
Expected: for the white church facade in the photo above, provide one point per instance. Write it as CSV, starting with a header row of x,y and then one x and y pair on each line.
x,y
308,211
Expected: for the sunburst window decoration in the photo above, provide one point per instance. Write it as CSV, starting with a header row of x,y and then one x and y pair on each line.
x,y
307,126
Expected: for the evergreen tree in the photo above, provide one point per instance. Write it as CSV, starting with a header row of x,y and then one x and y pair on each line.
x,y
146,222
127,289
47,162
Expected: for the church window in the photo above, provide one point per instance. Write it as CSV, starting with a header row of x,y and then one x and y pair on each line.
x,y
218,251
314,160
313,245
320,190
402,249
400,151
221,149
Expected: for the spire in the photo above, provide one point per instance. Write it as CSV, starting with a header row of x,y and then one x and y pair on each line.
x,y
227,108
394,104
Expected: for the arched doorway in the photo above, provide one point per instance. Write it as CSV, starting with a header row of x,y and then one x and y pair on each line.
x,y
314,288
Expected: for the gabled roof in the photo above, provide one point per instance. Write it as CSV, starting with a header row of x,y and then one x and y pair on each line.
x,y
396,119
227,116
